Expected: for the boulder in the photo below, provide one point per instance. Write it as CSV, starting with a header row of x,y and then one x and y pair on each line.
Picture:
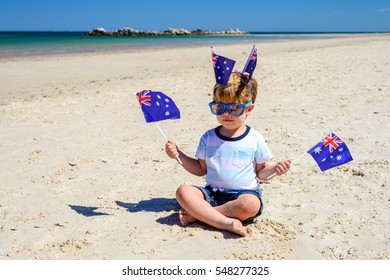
x,y
174,31
100,31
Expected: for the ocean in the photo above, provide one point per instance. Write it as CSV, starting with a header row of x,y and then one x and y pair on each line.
x,y
16,44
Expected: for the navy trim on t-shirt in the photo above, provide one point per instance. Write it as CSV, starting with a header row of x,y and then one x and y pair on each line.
x,y
220,136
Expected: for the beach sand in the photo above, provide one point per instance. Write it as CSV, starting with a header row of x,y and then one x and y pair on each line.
x,y
83,176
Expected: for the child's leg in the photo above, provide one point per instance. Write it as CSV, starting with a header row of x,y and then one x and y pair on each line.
x,y
192,201
244,207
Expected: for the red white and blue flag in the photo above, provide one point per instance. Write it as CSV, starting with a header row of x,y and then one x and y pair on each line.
x,y
330,152
157,106
251,63
223,67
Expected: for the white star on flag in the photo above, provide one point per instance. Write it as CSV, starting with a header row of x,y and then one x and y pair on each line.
x,y
317,150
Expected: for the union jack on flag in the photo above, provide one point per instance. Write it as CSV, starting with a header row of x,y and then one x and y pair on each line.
x,y
144,98
214,57
332,141
157,106
251,63
330,152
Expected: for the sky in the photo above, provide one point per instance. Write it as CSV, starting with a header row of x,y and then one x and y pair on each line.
x,y
215,15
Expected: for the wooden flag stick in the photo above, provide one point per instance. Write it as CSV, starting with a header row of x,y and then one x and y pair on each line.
x,y
166,140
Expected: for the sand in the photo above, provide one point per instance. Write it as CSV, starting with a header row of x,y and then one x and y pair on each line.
x,y
83,176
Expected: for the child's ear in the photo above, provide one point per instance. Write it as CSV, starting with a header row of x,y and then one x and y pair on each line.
x,y
250,109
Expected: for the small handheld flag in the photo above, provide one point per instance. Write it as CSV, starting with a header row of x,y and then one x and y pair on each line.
x,y
157,106
330,152
251,63
223,67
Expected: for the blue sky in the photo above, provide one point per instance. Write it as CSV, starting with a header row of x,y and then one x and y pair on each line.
x,y
249,15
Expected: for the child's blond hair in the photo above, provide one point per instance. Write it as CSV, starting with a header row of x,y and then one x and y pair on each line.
x,y
237,90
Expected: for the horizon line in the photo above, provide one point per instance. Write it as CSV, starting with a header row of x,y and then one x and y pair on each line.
x,y
249,32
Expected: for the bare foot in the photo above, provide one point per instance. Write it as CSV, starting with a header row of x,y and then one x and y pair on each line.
x,y
236,227
186,218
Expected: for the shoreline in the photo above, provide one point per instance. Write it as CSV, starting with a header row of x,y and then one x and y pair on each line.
x,y
276,37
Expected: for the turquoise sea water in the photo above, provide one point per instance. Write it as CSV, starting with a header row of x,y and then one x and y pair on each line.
x,y
16,44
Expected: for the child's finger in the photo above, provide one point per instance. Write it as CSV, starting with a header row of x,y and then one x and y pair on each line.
x,y
282,167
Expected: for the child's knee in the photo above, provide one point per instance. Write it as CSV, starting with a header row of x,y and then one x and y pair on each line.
x,y
183,190
250,204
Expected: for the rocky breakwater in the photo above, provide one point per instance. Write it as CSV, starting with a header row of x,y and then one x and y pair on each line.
x,y
168,32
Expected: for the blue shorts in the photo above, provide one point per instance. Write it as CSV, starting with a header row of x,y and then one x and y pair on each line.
x,y
217,196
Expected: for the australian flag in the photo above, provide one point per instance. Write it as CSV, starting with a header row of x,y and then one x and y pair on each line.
x,y
251,63
330,152
223,67
156,106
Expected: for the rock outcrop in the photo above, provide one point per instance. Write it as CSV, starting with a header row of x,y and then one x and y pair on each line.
x,y
169,32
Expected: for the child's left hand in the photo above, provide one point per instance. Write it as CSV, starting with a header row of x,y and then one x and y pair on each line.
x,y
171,149
282,167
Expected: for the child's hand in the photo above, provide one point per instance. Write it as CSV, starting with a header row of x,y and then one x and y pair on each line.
x,y
282,167
171,149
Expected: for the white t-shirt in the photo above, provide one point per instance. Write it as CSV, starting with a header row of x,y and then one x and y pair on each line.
x,y
231,162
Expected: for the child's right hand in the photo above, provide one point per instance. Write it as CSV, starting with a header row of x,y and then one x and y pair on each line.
x,y
171,149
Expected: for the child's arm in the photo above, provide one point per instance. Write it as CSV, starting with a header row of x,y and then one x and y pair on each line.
x,y
264,170
194,166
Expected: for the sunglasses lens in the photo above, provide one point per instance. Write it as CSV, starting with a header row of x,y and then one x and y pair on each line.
x,y
217,109
236,109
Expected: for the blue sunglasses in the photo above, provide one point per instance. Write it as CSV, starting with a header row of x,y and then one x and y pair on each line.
x,y
234,109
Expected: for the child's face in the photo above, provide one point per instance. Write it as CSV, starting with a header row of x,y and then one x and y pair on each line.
x,y
229,121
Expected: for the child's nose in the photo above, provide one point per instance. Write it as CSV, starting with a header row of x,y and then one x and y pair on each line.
x,y
227,113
